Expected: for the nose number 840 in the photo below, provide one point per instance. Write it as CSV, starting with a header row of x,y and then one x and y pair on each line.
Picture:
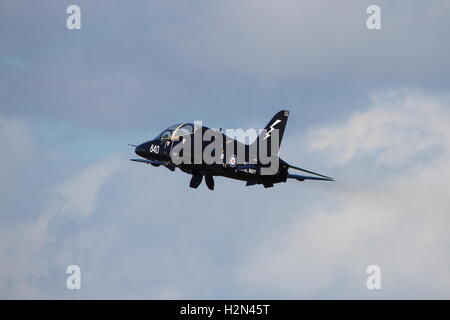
x,y
154,148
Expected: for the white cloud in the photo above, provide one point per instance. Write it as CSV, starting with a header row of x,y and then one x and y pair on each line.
x,y
399,222
25,238
153,237
399,125
78,194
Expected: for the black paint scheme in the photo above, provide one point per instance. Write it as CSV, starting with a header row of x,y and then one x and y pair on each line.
x,y
157,152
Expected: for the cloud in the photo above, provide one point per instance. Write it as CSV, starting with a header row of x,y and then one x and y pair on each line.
x,y
26,250
78,195
398,222
229,57
398,126
139,231
315,40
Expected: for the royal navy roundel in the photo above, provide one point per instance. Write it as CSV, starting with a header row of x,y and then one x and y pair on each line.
x,y
233,161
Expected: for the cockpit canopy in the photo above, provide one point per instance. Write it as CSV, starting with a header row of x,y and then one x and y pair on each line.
x,y
177,130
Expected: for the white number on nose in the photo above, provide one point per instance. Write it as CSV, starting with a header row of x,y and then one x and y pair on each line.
x,y
154,148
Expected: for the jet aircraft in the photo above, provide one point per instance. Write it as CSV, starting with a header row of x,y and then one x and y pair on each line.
x,y
249,167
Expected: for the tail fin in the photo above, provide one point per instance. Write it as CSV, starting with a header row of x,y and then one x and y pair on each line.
x,y
264,140
278,122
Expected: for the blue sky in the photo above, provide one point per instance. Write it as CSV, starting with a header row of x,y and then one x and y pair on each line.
x,y
370,108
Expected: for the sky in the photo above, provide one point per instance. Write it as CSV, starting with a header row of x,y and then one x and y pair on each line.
x,y
371,108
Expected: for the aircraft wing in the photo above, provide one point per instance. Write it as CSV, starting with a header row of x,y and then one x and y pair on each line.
x,y
302,178
154,162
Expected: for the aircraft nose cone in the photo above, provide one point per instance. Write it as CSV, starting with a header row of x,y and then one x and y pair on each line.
x,y
140,151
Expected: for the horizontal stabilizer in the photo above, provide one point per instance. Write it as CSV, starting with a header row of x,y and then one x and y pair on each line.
x,y
307,171
303,178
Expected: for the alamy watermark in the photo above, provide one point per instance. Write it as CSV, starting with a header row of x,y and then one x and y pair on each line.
x,y
374,279
373,22
73,281
211,146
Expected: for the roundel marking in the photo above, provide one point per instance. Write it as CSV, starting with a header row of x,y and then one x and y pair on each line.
x,y
233,161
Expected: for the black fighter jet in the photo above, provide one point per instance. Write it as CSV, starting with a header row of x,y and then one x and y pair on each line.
x,y
184,145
